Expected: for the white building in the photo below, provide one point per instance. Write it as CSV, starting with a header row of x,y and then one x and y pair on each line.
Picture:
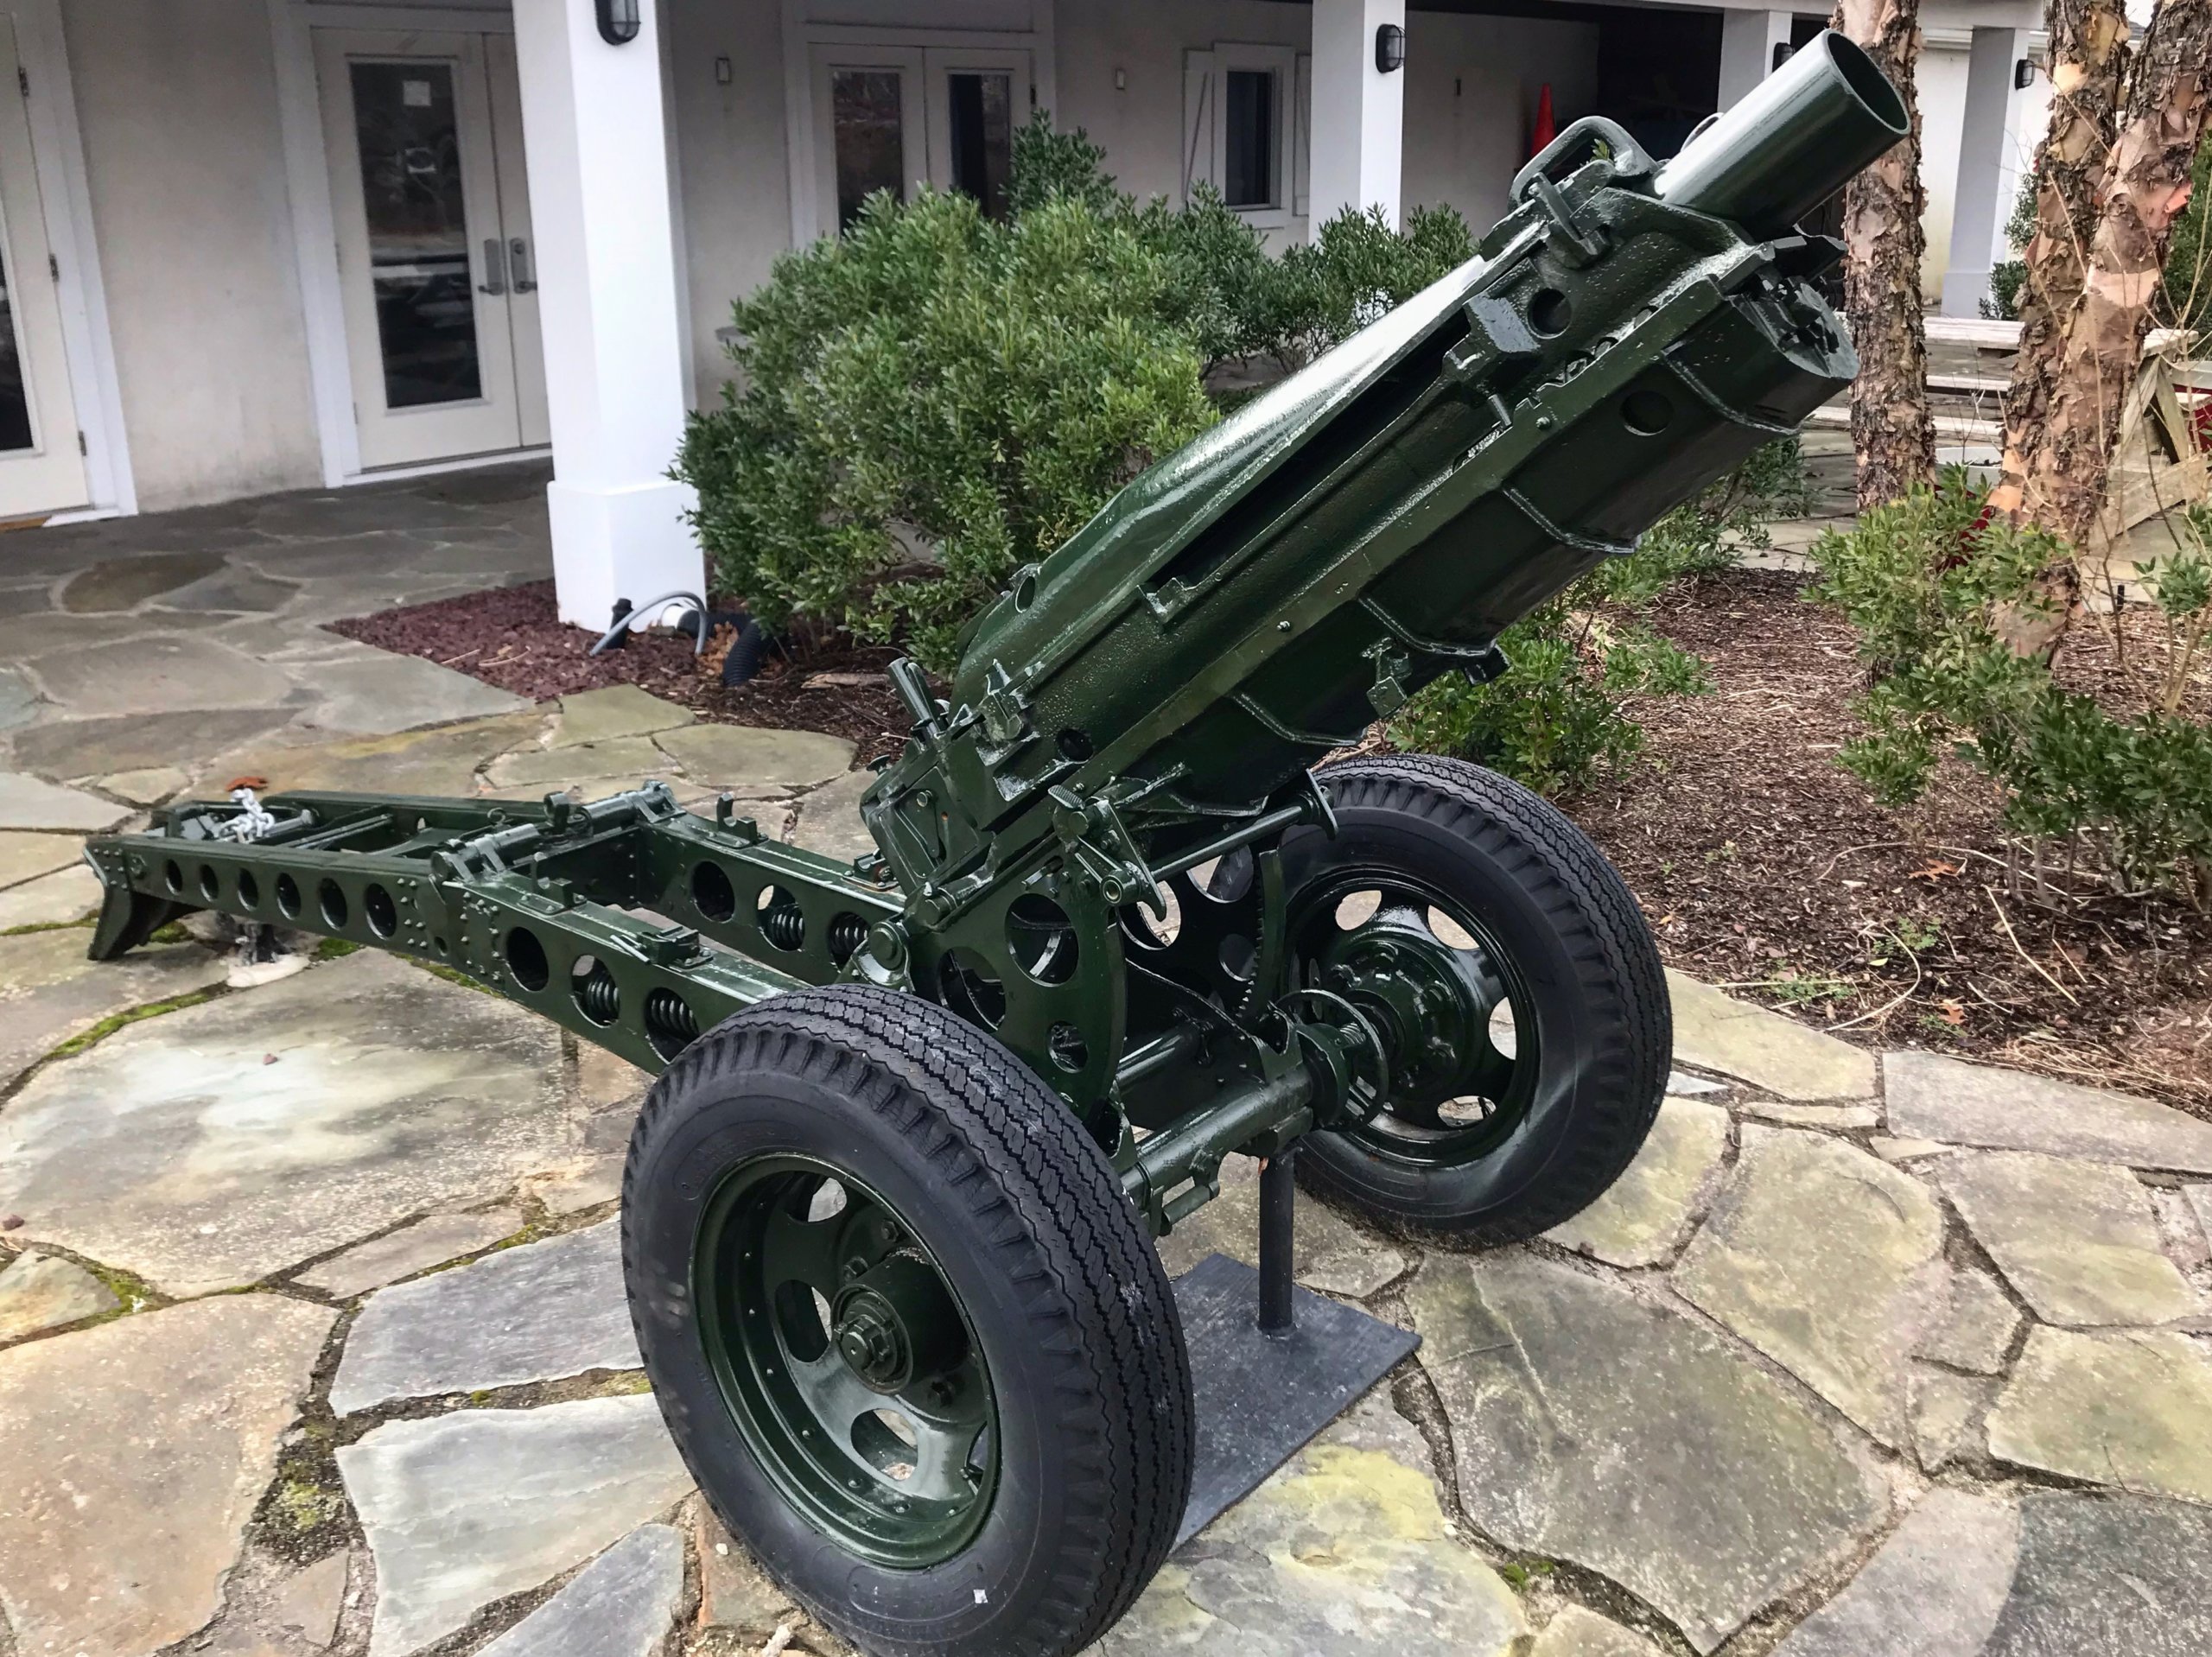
x,y
263,245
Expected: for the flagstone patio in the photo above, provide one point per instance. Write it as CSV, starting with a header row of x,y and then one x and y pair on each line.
x,y
311,1329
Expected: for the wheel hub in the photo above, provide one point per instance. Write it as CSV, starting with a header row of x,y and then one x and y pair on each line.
x,y
1428,1002
897,1325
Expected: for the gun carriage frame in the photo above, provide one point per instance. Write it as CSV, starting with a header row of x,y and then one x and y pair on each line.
x,y
886,1210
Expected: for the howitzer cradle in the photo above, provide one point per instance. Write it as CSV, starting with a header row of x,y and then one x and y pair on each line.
x,y
1108,849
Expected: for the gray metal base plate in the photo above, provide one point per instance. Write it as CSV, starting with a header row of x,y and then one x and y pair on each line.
x,y
1261,1398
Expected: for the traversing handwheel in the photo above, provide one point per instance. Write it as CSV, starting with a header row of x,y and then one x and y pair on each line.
x,y
904,1328
1514,981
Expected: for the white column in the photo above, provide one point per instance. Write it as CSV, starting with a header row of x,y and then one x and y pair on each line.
x,y
1989,167
1747,43
1359,113
594,125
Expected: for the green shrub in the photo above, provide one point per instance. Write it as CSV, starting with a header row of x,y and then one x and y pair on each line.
x,y
1926,581
1561,719
927,403
932,399
2187,289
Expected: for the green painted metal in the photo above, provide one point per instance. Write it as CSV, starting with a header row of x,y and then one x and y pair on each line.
x,y
846,1362
1132,727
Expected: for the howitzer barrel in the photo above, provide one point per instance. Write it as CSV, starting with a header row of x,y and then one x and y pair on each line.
x,y
1796,140
1624,337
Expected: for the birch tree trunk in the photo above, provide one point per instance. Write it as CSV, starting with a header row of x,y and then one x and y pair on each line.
x,y
1890,430
2147,184
2088,64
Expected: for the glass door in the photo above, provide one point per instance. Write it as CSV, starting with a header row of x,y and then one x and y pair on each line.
x,y
977,98
41,459
869,132
424,256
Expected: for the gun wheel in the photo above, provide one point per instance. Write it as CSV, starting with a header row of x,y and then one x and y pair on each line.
x,y
904,1328
1518,987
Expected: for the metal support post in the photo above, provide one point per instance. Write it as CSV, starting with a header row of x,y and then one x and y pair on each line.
x,y
1278,1197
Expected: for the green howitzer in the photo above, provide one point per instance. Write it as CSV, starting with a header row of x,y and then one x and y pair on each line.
x,y
887,1207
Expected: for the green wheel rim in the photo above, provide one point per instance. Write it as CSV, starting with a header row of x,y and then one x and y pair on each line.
x,y
846,1361
1430,973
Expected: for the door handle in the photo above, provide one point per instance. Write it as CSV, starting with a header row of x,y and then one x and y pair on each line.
x,y
495,268
519,257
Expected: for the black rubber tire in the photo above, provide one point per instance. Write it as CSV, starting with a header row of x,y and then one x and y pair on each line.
x,y
1560,909
1064,1292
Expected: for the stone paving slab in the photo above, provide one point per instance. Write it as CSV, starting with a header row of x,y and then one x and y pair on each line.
x,y
1343,1550
1977,1327
2039,1575
1948,1414
465,1509
1828,1118
54,900
1934,1590
49,992
622,1604
95,747
1714,1033
442,760
211,1147
2079,1241
18,702
734,1592
616,711
584,1183
29,802
429,1242
384,693
830,818
1642,1218
147,785
719,756
131,1456
2127,1408
26,857
43,1292
1593,1425
125,583
1330,1255
1575,1632
624,757
1829,1261
158,674
538,1312
1932,1097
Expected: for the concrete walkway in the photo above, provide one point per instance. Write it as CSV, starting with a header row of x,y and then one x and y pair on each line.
x,y
312,1338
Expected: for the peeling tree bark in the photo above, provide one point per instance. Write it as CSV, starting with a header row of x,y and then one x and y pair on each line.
x,y
1890,430
2088,62
2146,185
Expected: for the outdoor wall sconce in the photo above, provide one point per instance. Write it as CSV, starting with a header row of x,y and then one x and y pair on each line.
x,y
1389,48
618,21
2023,74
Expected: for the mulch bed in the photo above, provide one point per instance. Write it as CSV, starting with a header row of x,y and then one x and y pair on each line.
x,y
510,636
1766,867
1763,866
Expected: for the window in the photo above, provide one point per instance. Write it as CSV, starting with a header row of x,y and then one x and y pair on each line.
x,y
980,114
1244,130
1250,173
870,137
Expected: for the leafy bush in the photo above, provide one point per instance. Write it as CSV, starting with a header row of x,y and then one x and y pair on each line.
x,y
1925,581
1560,718
2187,289
2008,277
927,403
932,399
